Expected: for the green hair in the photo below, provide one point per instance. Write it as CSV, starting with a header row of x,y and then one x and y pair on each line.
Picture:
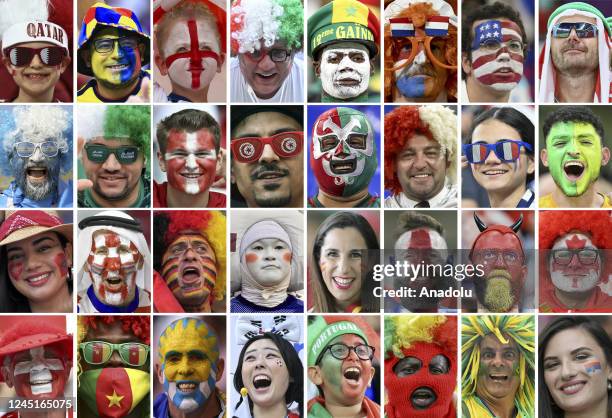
x,y
290,22
129,121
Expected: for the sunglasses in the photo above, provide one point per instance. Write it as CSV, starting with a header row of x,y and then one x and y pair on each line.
x,y
275,54
99,352
98,153
107,45
21,56
507,150
285,145
26,149
583,29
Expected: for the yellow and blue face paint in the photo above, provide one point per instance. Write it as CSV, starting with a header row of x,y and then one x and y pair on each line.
x,y
119,61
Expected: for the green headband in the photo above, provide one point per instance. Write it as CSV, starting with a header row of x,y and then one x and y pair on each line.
x,y
583,7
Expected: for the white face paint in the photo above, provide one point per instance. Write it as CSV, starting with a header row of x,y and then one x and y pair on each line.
x,y
191,171
39,369
575,276
179,41
189,403
345,70
422,239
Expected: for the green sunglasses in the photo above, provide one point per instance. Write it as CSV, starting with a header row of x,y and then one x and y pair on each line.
x,y
99,352
98,153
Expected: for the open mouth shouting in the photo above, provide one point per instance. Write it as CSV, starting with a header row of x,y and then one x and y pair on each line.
x,y
261,381
191,278
500,378
37,175
343,166
422,397
572,387
38,279
352,374
113,283
574,170
186,386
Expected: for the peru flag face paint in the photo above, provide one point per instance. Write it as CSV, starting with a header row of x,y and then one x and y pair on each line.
x,y
112,264
37,376
191,160
343,151
569,273
497,54
192,53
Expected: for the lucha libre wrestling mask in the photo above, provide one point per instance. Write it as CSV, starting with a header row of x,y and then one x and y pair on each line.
x,y
343,152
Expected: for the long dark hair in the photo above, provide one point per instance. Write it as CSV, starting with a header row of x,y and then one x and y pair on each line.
x,y
295,391
548,409
323,299
17,302
513,118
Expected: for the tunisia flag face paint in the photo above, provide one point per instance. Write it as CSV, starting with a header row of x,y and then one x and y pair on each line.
x,y
39,373
575,263
191,160
192,53
497,54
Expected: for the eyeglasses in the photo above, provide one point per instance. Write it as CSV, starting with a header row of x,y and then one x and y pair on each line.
x,y
98,153
408,48
507,150
99,352
275,54
26,149
285,145
586,256
491,255
341,351
583,29
21,56
107,45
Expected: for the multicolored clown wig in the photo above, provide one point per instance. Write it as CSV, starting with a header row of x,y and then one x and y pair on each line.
x,y
170,225
432,339
258,24
520,329
196,337
436,122
343,153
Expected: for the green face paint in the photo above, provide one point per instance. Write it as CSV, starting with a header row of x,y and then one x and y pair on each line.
x,y
574,156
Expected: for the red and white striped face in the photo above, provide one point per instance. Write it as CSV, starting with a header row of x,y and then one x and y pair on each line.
x,y
497,54
112,263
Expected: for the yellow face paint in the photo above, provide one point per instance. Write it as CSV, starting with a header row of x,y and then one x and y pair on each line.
x,y
115,57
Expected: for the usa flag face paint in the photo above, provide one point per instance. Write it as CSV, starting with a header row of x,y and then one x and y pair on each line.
x,y
497,54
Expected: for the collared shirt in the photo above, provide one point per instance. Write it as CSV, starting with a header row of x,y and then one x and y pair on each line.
x,y
88,302
13,197
446,198
292,89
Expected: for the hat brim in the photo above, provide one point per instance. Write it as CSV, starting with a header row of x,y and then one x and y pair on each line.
x,y
23,233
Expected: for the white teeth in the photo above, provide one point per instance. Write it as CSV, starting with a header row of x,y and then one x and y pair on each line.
x,y
574,163
494,172
573,388
38,278
343,282
260,377
352,369
420,176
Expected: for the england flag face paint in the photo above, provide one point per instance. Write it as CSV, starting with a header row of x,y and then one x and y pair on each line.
x,y
38,375
497,54
574,265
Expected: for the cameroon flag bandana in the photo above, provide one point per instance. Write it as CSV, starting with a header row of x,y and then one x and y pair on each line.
x,y
115,391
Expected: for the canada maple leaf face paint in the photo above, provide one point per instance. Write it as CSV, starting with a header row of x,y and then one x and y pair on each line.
x,y
112,265
497,54
38,374
192,53
574,263
191,160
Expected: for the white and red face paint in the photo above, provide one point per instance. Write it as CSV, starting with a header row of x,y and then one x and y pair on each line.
x,y
112,263
575,276
40,376
191,160
189,65
495,62
423,239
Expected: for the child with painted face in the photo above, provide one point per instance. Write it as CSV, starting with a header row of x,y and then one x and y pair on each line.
x,y
189,366
114,366
339,257
500,153
266,266
37,276
575,152
575,265
189,151
269,373
340,357
34,50
190,39
575,367
113,49
36,359
343,157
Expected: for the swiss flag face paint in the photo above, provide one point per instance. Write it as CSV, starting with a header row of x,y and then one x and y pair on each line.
x,y
191,160
497,54
575,266
38,374
192,64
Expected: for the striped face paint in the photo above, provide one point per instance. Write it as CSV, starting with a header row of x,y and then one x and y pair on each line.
x,y
191,160
36,374
592,367
497,54
112,265
572,275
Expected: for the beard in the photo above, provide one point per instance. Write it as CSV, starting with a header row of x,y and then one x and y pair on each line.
x,y
36,191
496,294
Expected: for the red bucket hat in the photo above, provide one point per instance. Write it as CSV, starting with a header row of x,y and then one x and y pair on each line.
x,y
23,224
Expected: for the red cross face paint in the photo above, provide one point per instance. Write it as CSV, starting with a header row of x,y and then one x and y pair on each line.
x,y
112,265
191,160
192,53
38,373
574,263
189,267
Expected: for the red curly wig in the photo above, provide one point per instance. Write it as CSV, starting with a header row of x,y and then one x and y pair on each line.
x,y
138,325
401,124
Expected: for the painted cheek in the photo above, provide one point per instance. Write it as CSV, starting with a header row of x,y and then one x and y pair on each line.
x,y
15,270
251,257
287,257
62,264
175,166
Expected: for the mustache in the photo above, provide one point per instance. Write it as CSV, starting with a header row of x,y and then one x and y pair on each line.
x,y
572,44
266,168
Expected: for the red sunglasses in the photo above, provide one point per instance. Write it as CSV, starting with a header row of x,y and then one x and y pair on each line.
x,y
285,145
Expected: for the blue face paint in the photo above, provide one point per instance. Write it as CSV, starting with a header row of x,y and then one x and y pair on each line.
x,y
411,86
194,399
128,57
